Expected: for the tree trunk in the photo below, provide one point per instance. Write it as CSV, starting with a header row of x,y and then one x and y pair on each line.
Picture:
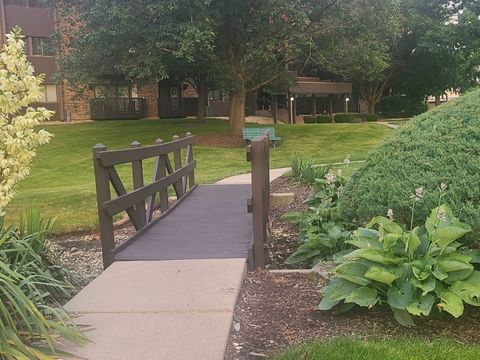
x,y
437,100
202,99
236,112
371,107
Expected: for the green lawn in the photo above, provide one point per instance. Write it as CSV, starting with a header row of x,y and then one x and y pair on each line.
x,y
399,349
61,183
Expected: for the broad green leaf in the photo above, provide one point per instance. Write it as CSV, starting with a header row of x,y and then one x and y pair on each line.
x,y
451,302
363,296
375,255
327,304
469,289
422,306
458,275
400,297
380,275
390,240
389,225
454,262
439,274
446,235
473,254
420,274
403,317
426,286
354,272
433,222
338,289
365,239
413,241
301,256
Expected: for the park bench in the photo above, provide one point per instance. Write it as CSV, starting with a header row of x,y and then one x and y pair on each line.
x,y
252,133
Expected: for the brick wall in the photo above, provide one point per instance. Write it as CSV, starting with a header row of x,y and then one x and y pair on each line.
x,y
76,101
150,93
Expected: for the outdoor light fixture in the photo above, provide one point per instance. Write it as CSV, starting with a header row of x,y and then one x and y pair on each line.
x,y
292,99
347,99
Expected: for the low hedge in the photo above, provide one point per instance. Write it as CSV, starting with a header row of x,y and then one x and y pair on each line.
x,y
439,146
309,119
347,117
324,119
368,117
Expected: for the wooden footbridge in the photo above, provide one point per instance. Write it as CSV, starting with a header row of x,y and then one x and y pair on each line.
x,y
169,291
204,222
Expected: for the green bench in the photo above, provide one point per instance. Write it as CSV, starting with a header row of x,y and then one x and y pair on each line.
x,y
251,133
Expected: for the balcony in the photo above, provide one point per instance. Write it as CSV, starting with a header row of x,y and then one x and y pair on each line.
x,y
117,108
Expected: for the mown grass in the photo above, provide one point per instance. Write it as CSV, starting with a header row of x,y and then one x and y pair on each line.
x,y
398,349
61,183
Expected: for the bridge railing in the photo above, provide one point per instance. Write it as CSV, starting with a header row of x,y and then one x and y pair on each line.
x,y
141,202
258,153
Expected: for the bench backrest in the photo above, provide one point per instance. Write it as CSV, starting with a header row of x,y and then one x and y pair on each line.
x,y
251,133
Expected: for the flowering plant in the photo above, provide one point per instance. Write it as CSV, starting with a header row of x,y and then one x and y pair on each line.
x,y
412,271
322,231
19,87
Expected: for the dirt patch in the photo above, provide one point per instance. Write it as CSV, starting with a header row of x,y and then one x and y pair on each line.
x,y
284,240
278,310
220,141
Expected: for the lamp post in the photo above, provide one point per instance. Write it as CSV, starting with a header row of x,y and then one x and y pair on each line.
x,y
347,99
292,99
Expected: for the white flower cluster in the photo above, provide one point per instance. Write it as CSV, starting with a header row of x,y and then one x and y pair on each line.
x,y
19,87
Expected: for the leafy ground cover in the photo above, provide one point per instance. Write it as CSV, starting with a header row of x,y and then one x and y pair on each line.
x,y
398,349
62,185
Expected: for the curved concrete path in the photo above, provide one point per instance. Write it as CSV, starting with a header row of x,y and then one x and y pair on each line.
x,y
247,178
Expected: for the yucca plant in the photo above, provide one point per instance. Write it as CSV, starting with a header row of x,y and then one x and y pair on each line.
x,y
31,286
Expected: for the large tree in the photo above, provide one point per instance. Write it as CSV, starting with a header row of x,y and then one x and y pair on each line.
x,y
243,45
359,44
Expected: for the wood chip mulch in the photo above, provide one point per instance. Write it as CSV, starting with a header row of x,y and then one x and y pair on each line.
x,y
278,310
284,240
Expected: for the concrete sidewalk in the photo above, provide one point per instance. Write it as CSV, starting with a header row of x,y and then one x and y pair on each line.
x,y
178,309
247,178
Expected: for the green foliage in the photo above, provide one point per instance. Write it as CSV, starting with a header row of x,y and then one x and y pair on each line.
x,y
400,107
439,146
412,271
322,233
369,117
30,287
309,119
305,171
346,117
324,119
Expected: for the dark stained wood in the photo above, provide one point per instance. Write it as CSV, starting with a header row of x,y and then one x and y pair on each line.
x,y
140,202
210,223
116,157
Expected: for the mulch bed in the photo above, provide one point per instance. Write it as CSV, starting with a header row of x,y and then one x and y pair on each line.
x,y
220,140
284,240
278,310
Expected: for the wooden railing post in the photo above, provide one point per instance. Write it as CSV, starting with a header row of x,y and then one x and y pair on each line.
x,y
258,203
137,173
102,185
189,156
177,162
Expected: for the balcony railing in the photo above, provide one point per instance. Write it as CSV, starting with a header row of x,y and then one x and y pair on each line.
x,y
117,108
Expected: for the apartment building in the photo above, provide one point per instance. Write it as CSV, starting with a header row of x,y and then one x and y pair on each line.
x,y
166,99
37,23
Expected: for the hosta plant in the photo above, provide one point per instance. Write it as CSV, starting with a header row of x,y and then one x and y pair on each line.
x,y
322,232
412,271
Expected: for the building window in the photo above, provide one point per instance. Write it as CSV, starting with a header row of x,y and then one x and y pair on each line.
x,y
217,95
111,91
49,94
42,46
37,3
